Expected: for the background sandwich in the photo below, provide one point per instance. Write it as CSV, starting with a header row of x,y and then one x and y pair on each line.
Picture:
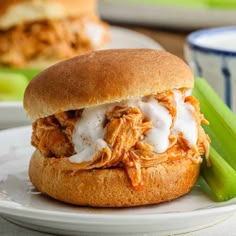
x,y
37,33
115,128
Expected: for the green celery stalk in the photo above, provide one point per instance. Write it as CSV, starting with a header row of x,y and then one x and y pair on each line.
x,y
227,4
200,4
180,3
29,73
222,128
221,175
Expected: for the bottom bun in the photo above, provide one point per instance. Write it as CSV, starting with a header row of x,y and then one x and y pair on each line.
x,y
111,187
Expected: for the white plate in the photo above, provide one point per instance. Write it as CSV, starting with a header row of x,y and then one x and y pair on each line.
x,y
12,113
22,204
166,16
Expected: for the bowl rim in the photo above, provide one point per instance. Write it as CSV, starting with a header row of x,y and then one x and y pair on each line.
x,y
191,40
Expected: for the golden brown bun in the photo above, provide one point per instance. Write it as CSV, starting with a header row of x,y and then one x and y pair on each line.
x,y
102,77
111,187
13,12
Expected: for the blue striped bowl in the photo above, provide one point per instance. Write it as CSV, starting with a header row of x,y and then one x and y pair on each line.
x,y
211,53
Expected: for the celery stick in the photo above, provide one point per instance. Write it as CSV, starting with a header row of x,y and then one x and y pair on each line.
x,y
29,73
222,128
227,4
221,177
12,86
174,3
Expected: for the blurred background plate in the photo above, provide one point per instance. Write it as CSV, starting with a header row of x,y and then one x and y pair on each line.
x,y
124,38
184,14
12,113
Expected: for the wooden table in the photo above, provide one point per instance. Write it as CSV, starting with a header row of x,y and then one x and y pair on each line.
x,y
172,41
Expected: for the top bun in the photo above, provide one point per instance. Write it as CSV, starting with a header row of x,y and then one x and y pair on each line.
x,y
13,12
103,77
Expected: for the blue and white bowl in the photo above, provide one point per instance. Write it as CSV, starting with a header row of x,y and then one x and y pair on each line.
x,y
211,53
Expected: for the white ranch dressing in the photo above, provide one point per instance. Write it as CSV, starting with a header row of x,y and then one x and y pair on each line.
x,y
185,120
158,136
89,130
95,33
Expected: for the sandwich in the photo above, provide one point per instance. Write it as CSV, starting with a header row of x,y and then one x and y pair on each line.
x,y
38,33
115,128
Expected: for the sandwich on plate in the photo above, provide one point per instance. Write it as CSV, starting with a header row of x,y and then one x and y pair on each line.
x,y
37,33
115,128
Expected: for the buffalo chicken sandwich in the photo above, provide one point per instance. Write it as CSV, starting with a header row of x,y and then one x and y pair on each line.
x,y
115,128
37,33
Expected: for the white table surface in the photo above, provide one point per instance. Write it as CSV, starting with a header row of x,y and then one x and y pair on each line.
x,y
225,228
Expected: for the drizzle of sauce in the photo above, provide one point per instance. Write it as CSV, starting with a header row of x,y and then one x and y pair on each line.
x,y
89,131
94,32
185,120
158,136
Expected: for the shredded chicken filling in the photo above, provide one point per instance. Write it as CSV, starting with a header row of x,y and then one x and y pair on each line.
x,y
125,130
46,39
